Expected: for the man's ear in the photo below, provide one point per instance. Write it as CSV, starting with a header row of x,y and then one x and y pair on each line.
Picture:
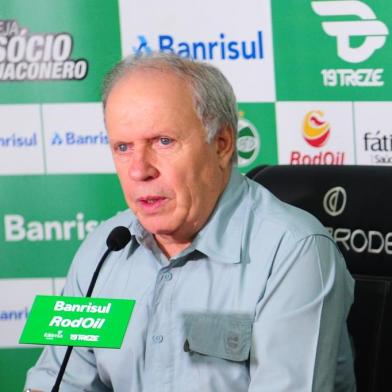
x,y
225,146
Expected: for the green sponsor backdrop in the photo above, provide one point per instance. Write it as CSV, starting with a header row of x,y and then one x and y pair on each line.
x,y
303,50
94,29
40,199
95,37
13,366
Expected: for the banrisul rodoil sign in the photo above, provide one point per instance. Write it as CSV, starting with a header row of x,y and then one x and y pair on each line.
x,y
333,50
32,56
77,321
58,53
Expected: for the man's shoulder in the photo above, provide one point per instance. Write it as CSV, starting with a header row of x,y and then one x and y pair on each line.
x,y
276,216
278,230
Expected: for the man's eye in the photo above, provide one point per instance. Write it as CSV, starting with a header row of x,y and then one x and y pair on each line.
x,y
122,147
165,140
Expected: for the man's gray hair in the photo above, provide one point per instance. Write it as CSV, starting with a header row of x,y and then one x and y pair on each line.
x,y
213,96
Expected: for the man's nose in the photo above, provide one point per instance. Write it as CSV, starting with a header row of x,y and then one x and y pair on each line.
x,y
141,166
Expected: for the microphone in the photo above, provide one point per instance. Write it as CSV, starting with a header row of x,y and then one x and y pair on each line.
x,y
117,240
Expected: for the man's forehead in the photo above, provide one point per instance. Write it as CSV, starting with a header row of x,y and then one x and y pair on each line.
x,y
146,75
151,90
152,85
153,104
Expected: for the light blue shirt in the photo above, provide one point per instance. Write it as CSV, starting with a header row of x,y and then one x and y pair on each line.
x,y
258,302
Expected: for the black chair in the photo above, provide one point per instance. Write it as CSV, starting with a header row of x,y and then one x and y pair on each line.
x,y
355,204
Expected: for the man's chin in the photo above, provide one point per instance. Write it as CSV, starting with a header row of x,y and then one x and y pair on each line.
x,y
158,228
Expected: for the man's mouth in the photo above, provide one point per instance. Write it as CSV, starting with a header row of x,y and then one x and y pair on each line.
x,y
151,203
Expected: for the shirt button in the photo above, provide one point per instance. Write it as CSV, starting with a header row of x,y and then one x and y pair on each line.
x,y
167,276
157,338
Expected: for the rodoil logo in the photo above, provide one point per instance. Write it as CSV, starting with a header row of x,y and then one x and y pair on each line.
x,y
316,132
26,56
315,129
359,24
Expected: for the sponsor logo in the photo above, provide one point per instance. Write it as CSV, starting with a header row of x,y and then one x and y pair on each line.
x,y
316,132
362,241
143,46
52,335
352,77
371,31
88,308
71,138
16,229
82,322
86,338
379,145
15,140
219,48
28,56
14,315
248,142
334,201
354,240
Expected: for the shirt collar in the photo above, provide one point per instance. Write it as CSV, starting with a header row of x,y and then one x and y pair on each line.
x,y
221,237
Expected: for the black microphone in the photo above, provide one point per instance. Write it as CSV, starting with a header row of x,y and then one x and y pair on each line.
x,y
117,240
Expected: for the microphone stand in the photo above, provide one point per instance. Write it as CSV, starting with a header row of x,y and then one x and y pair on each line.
x,y
61,372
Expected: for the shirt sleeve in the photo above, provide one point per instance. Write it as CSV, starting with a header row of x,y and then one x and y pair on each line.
x,y
301,319
80,375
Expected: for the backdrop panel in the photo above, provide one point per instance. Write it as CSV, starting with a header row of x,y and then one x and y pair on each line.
x,y
313,81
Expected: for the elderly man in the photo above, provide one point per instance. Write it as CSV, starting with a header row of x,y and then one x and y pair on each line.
x,y
235,290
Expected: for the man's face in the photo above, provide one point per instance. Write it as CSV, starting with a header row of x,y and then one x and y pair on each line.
x,y
171,177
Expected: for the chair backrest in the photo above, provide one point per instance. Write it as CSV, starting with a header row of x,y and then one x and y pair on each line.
x,y
354,203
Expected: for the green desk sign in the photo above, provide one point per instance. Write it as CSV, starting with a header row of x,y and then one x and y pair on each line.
x,y
77,321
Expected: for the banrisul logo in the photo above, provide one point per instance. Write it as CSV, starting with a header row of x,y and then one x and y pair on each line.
x,y
219,47
316,129
14,314
32,56
73,138
248,143
358,34
15,140
18,228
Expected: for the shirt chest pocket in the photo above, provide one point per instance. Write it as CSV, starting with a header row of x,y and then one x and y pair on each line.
x,y
220,336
